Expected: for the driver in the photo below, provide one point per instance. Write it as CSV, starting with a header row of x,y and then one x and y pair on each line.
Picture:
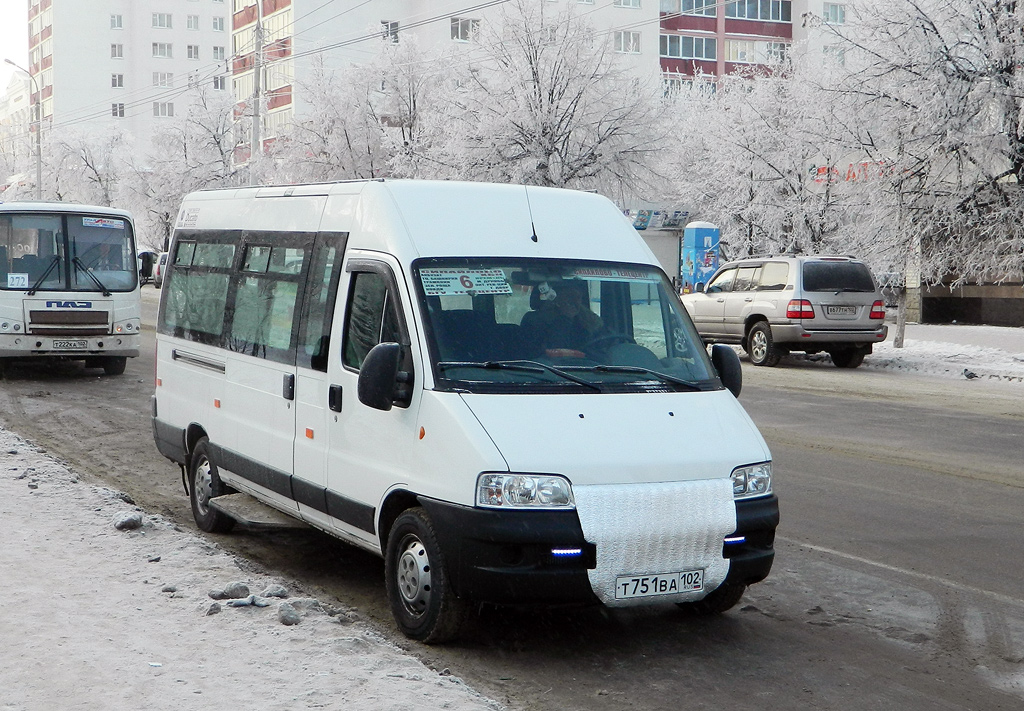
x,y
566,322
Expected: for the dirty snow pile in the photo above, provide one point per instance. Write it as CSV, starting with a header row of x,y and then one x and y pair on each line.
x,y
111,608
974,352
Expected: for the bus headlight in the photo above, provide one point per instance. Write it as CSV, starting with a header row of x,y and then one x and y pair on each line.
x,y
536,491
752,480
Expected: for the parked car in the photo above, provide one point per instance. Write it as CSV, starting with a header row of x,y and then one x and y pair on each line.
x,y
774,305
158,270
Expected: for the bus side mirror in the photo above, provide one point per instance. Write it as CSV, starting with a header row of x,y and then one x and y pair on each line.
x,y
378,376
727,363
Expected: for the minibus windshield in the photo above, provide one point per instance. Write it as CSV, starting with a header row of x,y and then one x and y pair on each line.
x,y
538,325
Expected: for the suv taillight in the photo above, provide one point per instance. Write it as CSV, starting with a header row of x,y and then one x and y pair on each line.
x,y
878,310
799,308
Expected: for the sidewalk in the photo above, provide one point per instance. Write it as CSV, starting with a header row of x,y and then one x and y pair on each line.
x,y
990,352
101,618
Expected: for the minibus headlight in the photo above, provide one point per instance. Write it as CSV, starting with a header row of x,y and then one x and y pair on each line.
x,y
752,480
537,491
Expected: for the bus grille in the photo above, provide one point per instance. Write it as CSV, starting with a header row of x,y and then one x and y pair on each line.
x,y
69,323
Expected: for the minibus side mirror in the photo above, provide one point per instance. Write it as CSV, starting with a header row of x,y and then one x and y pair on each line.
x,y
698,288
379,375
727,363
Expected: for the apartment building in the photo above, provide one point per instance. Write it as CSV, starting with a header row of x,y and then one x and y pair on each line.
x,y
16,119
124,64
292,33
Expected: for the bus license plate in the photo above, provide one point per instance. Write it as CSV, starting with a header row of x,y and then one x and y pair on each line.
x,y
630,586
71,345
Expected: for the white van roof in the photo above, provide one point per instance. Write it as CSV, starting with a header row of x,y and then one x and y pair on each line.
x,y
414,218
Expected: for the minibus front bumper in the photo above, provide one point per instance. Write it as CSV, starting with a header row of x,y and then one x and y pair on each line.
x,y
516,556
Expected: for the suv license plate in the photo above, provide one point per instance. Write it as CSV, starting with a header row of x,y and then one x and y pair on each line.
x,y
71,345
630,586
841,310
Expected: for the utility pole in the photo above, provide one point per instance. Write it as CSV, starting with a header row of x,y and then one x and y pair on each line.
x,y
257,99
37,107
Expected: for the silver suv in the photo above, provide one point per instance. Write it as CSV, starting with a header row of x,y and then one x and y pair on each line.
x,y
774,305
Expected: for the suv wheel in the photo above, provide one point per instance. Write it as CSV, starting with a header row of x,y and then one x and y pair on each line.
x,y
761,346
847,358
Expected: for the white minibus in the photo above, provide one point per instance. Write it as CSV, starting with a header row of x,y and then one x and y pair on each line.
x,y
69,284
493,387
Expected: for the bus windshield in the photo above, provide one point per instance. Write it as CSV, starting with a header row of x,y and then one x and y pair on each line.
x,y
66,252
539,325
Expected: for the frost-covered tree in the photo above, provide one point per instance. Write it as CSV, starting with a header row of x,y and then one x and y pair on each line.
x,y
193,152
945,81
541,101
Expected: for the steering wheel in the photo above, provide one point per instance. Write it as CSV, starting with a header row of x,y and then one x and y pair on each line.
x,y
606,341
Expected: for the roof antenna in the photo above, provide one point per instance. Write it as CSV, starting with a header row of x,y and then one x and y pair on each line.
x,y
530,208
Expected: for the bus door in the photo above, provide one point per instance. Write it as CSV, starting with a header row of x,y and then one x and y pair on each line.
x,y
259,399
368,450
314,403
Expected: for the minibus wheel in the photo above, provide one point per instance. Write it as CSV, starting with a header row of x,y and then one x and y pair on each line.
x,y
419,591
725,597
205,484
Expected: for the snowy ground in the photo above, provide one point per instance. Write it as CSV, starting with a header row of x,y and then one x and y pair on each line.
x,y
101,618
97,617
992,353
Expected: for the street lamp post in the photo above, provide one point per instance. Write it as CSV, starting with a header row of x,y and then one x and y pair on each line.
x,y
38,108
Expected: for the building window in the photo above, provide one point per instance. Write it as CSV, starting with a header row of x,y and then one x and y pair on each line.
x,y
700,7
193,51
682,47
163,109
778,10
220,83
117,110
585,2
192,22
162,50
218,54
627,42
389,31
626,3
117,51
163,79
117,22
834,53
218,24
776,52
465,30
117,81
834,14
740,51
162,20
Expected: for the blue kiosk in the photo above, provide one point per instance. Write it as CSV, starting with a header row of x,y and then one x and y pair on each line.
x,y
698,255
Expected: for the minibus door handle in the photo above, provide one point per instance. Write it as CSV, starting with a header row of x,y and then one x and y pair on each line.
x,y
288,390
334,398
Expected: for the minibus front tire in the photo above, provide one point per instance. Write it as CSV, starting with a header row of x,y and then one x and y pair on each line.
x,y
205,484
419,590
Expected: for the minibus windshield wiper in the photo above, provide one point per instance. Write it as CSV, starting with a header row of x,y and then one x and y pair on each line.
x,y
530,366
78,263
689,384
54,261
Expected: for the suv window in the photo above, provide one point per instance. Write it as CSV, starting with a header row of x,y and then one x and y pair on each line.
x,y
722,282
774,276
837,276
746,278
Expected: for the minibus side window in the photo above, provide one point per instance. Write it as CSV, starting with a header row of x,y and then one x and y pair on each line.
x,y
318,309
197,292
266,297
371,318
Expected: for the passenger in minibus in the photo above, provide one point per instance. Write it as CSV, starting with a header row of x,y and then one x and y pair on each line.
x,y
561,326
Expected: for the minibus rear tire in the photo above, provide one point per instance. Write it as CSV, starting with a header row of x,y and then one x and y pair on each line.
x,y
204,484
723,598
419,590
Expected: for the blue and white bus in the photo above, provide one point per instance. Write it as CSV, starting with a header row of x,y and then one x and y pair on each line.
x,y
69,284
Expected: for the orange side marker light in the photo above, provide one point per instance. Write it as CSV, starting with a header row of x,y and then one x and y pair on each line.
x,y
309,433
